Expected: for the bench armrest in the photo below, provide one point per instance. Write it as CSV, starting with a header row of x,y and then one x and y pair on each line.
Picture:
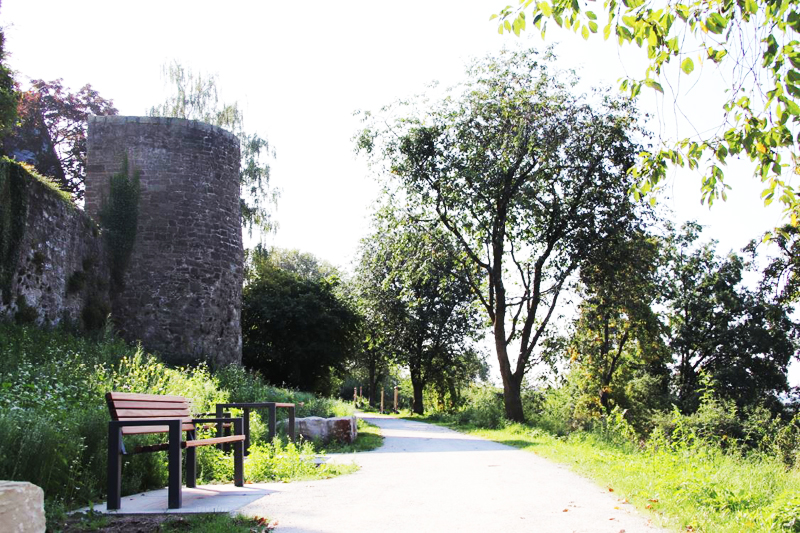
x,y
238,425
171,422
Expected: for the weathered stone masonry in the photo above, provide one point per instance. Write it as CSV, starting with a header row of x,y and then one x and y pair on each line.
x,y
182,288
60,272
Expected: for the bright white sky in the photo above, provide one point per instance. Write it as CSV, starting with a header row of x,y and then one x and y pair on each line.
x,y
300,70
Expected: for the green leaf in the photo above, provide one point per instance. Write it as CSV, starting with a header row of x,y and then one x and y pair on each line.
x,y
716,23
687,66
607,31
794,20
545,8
585,33
653,84
791,106
591,16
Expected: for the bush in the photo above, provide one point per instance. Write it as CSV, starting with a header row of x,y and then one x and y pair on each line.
x,y
482,407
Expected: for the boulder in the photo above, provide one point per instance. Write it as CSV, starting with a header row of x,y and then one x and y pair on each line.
x,y
21,507
342,429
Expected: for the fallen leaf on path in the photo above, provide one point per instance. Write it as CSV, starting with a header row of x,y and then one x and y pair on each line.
x,y
565,510
610,489
654,500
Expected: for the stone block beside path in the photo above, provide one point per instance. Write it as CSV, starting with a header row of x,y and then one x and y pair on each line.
x,y
21,507
342,429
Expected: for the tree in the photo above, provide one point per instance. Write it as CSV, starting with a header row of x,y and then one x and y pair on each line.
x,y
64,115
782,274
617,326
195,98
303,264
412,280
754,41
526,177
9,96
743,339
296,330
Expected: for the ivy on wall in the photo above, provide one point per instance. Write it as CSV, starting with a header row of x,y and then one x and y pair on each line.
x,y
119,217
13,214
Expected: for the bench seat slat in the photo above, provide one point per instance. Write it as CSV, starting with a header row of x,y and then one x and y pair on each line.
x,y
123,414
134,404
143,430
185,419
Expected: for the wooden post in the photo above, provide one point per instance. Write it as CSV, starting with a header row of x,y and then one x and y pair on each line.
x,y
395,399
355,396
381,400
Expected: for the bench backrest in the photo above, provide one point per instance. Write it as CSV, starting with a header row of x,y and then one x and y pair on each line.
x,y
131,406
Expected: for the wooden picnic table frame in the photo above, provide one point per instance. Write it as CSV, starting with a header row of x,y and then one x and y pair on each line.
x,y
272,408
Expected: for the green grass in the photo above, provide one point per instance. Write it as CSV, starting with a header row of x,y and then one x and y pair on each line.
x,y
215,523
684,485
369,438
195,523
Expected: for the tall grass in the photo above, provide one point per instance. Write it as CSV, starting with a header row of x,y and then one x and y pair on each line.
x,y
53,417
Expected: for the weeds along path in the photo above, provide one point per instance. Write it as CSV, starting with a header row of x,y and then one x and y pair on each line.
x,y
431,479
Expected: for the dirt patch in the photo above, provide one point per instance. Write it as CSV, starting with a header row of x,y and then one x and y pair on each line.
x,y
80,523
164,523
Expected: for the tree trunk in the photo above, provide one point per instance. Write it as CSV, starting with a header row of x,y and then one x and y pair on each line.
x,y
512,397
417,384
371,395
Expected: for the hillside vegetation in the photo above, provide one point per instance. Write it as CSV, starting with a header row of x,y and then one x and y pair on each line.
x,y
54,420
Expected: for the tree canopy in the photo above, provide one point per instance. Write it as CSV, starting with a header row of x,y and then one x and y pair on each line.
x,y
195,97
525,176
296,330
64,114
752,43
742,338
414,284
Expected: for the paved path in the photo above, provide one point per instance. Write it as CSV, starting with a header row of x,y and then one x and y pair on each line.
x,y
430,479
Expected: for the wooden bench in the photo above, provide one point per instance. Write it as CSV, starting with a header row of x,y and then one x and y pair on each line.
x,y
139,414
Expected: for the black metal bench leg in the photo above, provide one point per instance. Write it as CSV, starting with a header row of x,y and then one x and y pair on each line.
x,y
246,418
290,429
238,456
272,421
174,490
114,479
219,426
191,465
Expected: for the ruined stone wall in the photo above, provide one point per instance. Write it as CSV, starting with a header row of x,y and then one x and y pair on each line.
x,y
57,270
181,292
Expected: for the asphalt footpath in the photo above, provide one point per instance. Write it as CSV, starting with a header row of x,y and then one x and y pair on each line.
x,y
431,479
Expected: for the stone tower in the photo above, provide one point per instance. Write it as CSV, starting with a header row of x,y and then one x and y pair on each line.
x,y
182,289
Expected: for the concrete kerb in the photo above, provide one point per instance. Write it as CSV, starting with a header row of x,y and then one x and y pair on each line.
x,y
202,499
